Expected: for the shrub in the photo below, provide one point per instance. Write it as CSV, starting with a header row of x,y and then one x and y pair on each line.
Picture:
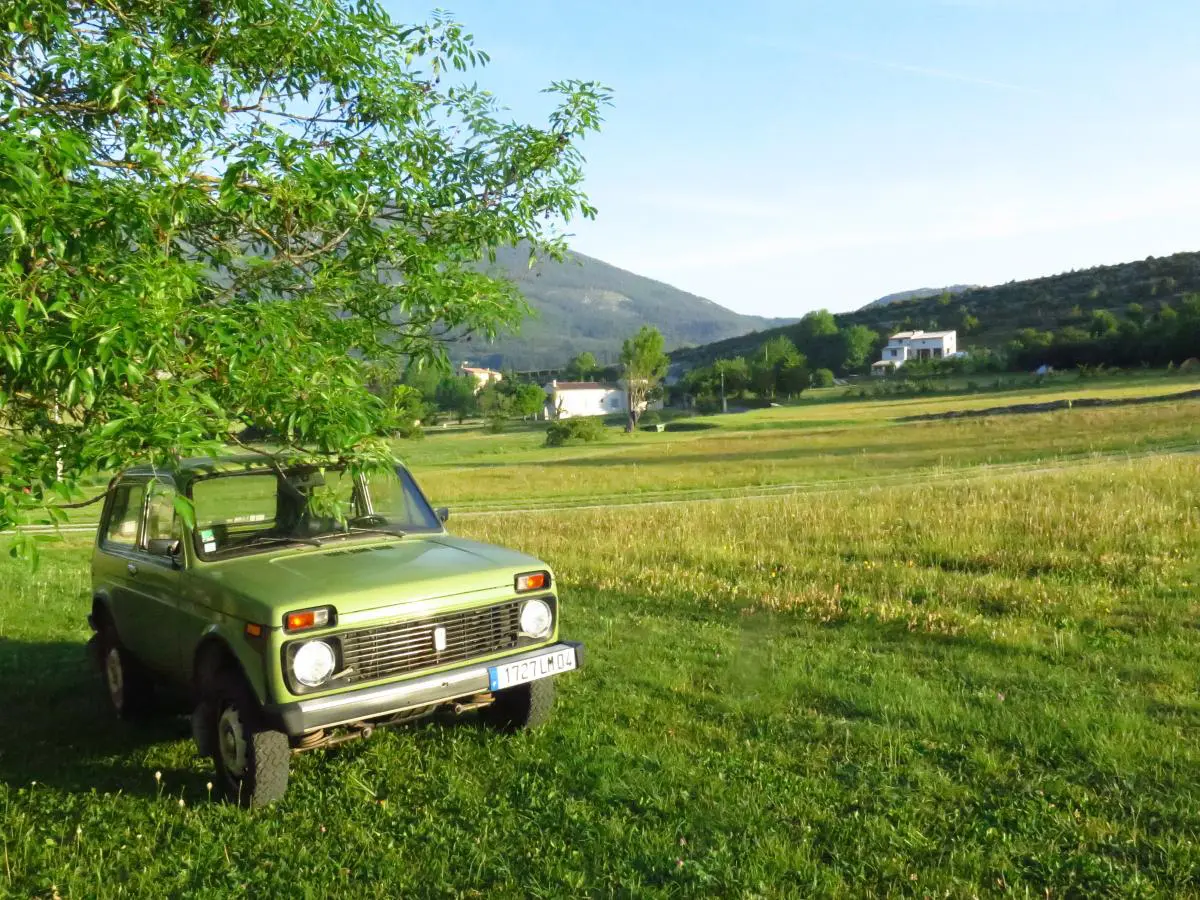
x,y
822,378
583,430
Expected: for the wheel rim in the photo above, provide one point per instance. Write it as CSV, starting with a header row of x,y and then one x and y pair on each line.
x,y
114,676
231,742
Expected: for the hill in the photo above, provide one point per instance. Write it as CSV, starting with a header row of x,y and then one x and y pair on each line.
x,y
586,304
920,294
991,317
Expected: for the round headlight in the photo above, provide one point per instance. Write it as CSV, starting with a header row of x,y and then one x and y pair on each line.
x,y
536,618
313,663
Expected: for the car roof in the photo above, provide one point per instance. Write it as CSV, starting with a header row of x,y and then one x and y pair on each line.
x,y
210,465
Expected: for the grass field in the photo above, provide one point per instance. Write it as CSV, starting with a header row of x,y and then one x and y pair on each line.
x,y
971,669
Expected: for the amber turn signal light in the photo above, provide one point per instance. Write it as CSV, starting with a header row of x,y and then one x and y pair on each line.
x,y
304,619
532,581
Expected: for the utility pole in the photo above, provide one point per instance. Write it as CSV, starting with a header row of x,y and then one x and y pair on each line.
x,y
724,406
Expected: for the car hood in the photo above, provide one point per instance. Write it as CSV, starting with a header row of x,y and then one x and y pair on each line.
x,y
358,576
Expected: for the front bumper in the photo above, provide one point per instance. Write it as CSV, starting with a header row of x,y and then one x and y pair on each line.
x,y
303,716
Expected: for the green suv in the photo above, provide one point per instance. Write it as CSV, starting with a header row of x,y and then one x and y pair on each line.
x,y
303,606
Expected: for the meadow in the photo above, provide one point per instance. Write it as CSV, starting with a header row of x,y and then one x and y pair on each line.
x,y
834,655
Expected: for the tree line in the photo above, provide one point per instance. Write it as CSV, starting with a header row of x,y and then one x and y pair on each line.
x,y
1157,337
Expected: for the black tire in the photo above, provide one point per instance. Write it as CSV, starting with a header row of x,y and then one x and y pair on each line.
x,y
129,687
522,707
252,760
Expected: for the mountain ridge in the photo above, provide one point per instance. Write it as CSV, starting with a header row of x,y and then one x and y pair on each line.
x,y
586,304
919,294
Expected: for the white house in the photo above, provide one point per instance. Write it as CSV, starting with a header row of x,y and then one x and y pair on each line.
x,y
906,345
483,377
568,399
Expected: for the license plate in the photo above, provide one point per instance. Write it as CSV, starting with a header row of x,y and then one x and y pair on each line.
x,y
510,674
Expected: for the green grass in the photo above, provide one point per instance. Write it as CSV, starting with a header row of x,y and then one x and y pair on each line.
x,y
907,687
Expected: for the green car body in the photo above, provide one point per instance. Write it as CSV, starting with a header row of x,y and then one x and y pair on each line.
x,y
415,620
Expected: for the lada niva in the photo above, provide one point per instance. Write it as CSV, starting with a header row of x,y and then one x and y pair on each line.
x,y
301,606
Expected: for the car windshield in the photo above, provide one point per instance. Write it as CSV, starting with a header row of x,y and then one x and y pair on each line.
x,y
260,510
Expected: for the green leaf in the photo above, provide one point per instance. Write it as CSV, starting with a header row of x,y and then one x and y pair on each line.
x,y
185,509
20,308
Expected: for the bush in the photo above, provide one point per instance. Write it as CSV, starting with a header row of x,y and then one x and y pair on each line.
x,y
822,378
584,430
649,417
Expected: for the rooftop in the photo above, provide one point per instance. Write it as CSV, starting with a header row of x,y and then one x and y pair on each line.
x,y
580,386
916,335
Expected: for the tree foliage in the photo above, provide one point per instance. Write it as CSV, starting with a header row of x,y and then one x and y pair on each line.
x,y
457,394
644,365
583,367
215,214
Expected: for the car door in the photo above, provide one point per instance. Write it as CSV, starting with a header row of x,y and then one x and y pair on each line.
x,y
156,578
119,545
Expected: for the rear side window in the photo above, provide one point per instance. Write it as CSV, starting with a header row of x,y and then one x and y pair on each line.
x,y
123,515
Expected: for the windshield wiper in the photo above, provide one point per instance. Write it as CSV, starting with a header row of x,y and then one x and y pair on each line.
x,y
388,531
278,539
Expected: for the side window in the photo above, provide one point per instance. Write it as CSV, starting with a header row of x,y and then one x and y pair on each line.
x,y
124,513
162,524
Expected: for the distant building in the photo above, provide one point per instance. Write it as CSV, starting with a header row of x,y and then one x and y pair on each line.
x,y
568,399
907,345
483,377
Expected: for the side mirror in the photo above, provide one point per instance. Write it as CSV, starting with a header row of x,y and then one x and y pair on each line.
x,y
443,513
169,547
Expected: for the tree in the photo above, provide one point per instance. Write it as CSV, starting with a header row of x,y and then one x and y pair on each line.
x,y
966,321
822,378
456,394
213,215
528,400
1103,322
858,346
816,324
734,373
582,367
776,356
644,365
792,376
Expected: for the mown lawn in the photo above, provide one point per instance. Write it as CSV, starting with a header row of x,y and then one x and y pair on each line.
x,y
984,688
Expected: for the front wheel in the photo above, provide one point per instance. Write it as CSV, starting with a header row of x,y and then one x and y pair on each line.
x,y
252,760
522,707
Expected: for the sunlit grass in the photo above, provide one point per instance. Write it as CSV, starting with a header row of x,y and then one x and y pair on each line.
x,y
728,458
961,662
917,690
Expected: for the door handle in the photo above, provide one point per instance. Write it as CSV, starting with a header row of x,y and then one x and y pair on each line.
x,y
131,568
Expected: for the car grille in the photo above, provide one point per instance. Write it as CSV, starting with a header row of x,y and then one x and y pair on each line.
x,y
389,650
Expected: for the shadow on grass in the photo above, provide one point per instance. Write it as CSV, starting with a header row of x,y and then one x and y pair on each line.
x,y
58,730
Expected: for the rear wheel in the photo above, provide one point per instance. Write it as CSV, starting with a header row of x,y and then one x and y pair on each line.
x,y
252,759
128,684
522,707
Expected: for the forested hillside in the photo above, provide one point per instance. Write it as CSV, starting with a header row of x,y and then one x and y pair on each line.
x,y
1057,311
584,304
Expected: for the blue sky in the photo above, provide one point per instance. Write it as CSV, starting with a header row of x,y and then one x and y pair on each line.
x,y
778,157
